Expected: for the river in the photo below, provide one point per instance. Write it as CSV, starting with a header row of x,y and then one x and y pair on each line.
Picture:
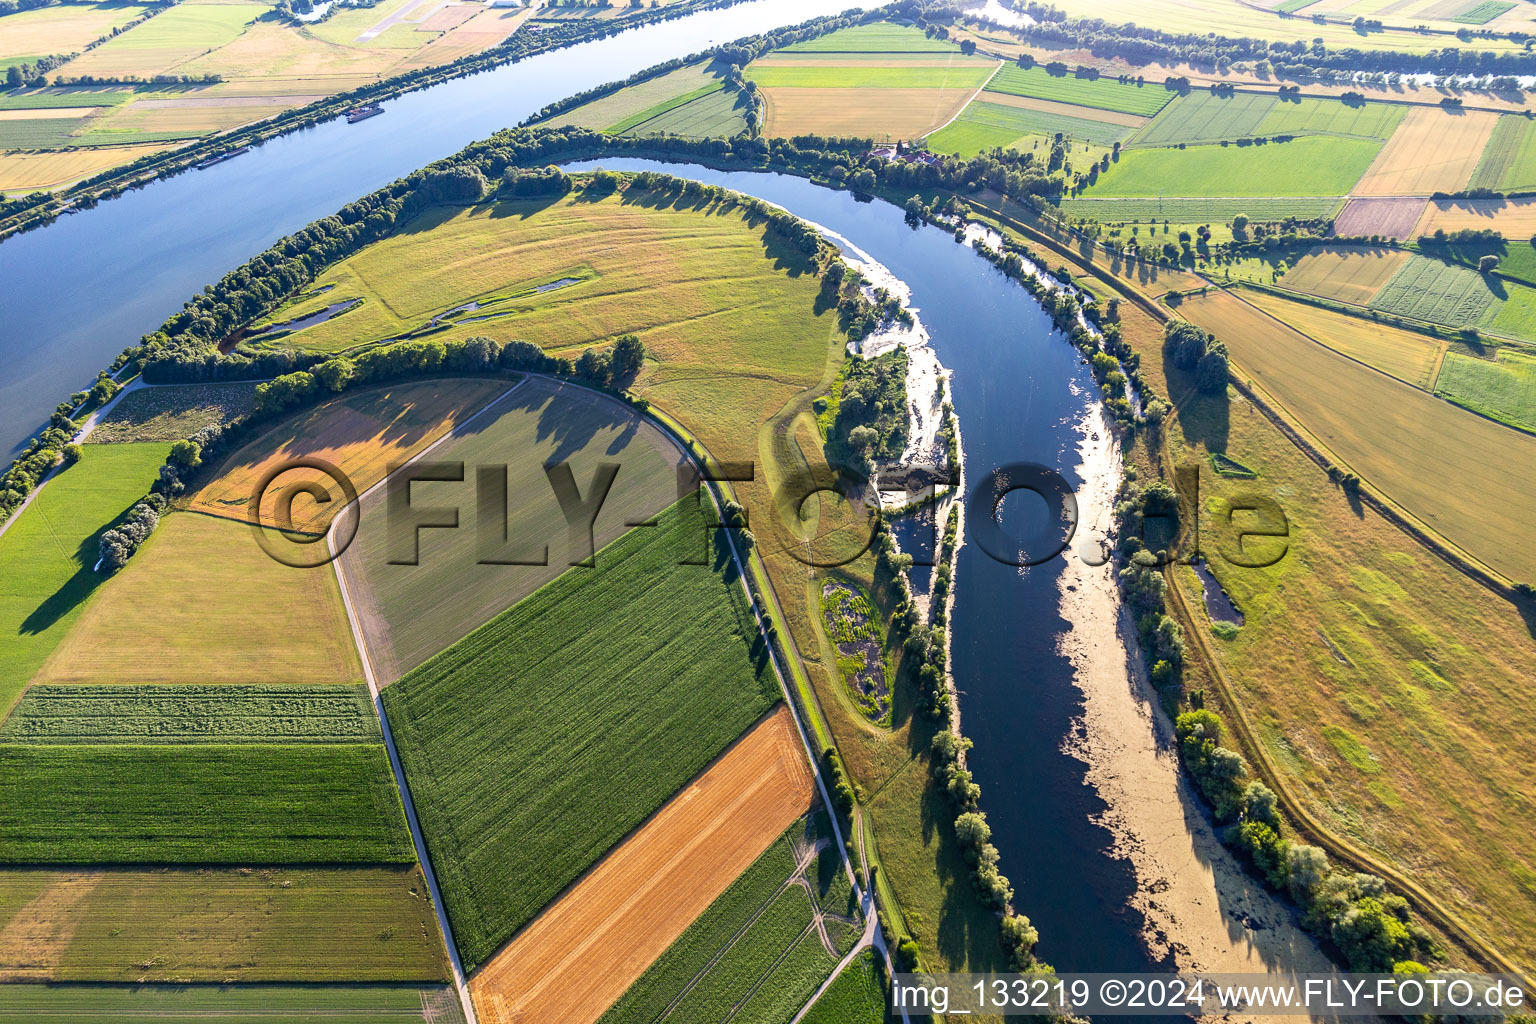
x,y
77,292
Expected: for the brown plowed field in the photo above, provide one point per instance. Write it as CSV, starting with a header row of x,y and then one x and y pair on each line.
x,y
1431,150
578,956
363,434
1390,218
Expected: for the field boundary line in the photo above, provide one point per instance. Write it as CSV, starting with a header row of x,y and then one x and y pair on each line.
x,y
460,981
979,90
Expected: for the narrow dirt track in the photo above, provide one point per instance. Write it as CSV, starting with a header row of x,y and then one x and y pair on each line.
x,y
578,956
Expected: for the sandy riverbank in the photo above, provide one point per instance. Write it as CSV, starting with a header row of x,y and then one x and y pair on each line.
x,y
1203,911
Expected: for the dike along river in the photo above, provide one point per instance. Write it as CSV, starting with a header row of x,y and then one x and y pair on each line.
x,y
1020,391
75,293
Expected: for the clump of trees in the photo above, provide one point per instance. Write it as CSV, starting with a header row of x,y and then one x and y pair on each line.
x,y
871,418
119,543
1197,351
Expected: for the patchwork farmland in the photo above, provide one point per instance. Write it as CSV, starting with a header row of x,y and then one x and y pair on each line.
x,y
661,670
891,83
1350,274
647,891
1411,358
362,434
1308,166
1413,448
1431,150
409,613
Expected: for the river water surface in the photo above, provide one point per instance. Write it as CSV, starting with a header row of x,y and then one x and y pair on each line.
x,y
1020,391
77,292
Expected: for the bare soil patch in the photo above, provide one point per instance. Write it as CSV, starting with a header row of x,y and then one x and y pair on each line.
x,y
1390,218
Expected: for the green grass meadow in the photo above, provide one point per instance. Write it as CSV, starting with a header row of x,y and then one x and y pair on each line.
x,y
47,554
966,75
200,804
881,37
1104,93
1503,388
983,125
132,714
1319,166
1191,210
542,738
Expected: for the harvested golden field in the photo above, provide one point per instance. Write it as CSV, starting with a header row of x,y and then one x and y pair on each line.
x,y
582,952
1411,358
1063,109
45,113
62,28
23,172
363,434
1347,274
1466,477
882,114
1515,219
252,618
1431,150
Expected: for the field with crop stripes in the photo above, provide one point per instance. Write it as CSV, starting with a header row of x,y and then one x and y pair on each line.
x,y
1105,93
1311,166
538,741
1509,160
199,804
269,713
984,125
1203,116
714,113
1441,293
856,997
351,924
148,1004
1332,117
1504,387
784,989
732,978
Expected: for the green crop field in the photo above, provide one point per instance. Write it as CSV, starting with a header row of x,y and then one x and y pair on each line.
x,y
67,96
193,714
38,133
959,75
1441,293
1292,6
985,125
1484,12
537,742
1189,210
268,924
1104,93
1504,387
793,980
711,113
190,28
643,99
856,997
1509,160
1313,166
1332,117
149,1004
199,805
172,413
881,37
732,977
1203,116
47,554
409,613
